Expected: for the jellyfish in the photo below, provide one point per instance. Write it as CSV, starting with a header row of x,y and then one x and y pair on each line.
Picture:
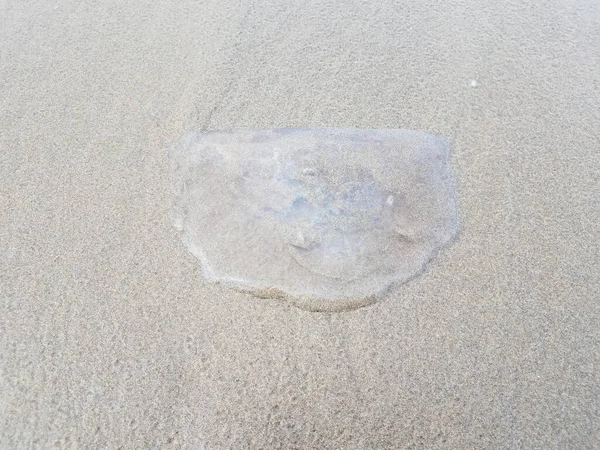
x,y
328,219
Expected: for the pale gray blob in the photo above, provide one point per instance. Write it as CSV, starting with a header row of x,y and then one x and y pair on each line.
x,y
327,218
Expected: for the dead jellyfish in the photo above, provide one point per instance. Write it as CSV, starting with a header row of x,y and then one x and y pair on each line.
x,y
327,218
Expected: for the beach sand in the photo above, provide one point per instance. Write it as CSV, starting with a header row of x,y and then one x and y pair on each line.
x,y
111,338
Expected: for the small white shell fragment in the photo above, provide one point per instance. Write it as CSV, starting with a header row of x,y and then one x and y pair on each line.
x,y
327,218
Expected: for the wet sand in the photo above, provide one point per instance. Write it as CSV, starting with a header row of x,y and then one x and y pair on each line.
x,y
109,335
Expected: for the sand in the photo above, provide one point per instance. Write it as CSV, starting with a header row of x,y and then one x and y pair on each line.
x,y
111,338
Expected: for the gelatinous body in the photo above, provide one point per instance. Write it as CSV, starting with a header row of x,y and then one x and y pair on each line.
x,y
328,218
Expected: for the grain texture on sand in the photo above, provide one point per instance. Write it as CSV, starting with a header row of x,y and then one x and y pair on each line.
x,y
108,335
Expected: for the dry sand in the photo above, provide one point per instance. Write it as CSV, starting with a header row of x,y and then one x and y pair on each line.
x,y
110,337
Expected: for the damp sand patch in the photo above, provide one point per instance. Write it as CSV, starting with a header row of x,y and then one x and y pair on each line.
x,y
326,218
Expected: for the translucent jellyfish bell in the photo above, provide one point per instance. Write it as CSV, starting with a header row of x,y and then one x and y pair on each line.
x,y
327,218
